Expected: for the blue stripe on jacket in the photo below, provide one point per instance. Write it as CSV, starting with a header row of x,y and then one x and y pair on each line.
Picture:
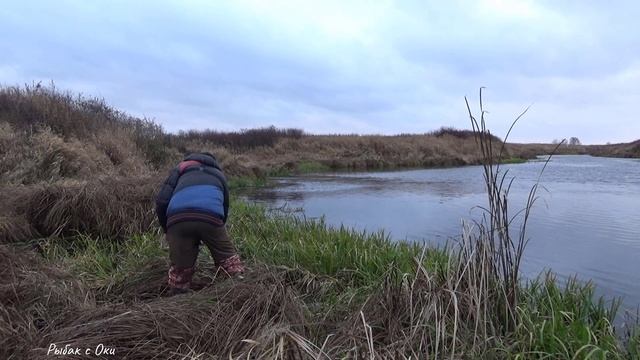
x,y
204,198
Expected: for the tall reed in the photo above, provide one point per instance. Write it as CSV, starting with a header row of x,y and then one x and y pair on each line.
x,y
495,247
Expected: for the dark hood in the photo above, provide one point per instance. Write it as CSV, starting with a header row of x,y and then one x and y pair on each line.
x,y
206,159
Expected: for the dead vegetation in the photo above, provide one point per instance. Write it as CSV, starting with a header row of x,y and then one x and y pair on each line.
x,y
64,177
109,208
625,150
43,305
35,299
54,135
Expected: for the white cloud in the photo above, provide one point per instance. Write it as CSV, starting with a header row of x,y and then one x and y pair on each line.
x,y
334,66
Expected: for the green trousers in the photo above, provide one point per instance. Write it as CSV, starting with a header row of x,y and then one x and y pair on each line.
x,y
184,243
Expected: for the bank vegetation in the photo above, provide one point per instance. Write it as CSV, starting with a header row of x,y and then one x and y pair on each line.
x,y
85,263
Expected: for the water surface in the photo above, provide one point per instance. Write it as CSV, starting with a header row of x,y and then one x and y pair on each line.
x,y
586,221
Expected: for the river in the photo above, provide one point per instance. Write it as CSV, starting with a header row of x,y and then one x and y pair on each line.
x,y
586,221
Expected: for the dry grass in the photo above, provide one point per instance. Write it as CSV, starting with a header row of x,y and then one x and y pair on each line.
x,y
456,308
397,302
276,313
36,298
213,321
54,135
43,305
46,134
628,150
14,227
110,208
44,156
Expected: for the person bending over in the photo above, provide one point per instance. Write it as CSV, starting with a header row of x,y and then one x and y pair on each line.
x,y
192,207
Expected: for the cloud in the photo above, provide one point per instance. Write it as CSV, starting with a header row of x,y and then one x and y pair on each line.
x,y
370,67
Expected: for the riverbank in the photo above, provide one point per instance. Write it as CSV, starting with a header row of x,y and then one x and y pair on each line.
x,y
622,150
311,291
47,135
88,267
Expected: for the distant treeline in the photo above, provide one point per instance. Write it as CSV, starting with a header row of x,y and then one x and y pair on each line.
x,y
70,134
29,108
243,139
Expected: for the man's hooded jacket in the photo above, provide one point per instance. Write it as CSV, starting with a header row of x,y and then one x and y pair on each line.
x,y
196,190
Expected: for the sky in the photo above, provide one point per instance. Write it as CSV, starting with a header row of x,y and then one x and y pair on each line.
x,y
367,67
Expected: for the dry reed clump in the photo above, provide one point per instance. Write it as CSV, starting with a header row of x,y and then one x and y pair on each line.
x,y
121,150
149,282
14,227
259,316
234,162
35,298
41,155
60,159
15,155
109,208
64,113
445,314
77,117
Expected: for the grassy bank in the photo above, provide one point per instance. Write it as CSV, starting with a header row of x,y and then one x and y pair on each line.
x,y
622,150
49,135
311,291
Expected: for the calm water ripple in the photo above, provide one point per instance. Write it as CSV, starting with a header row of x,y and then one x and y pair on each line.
x,y
585,223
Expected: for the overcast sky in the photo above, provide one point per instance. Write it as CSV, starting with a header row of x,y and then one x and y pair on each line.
x,y
382,67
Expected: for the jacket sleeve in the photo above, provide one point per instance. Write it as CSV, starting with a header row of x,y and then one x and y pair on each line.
x,y
164,196
225,203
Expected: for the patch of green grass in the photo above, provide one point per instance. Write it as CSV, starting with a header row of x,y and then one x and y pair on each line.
x,y
103,261
514,160
246,182
633,342
565,323
358,257
308,167
301,167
